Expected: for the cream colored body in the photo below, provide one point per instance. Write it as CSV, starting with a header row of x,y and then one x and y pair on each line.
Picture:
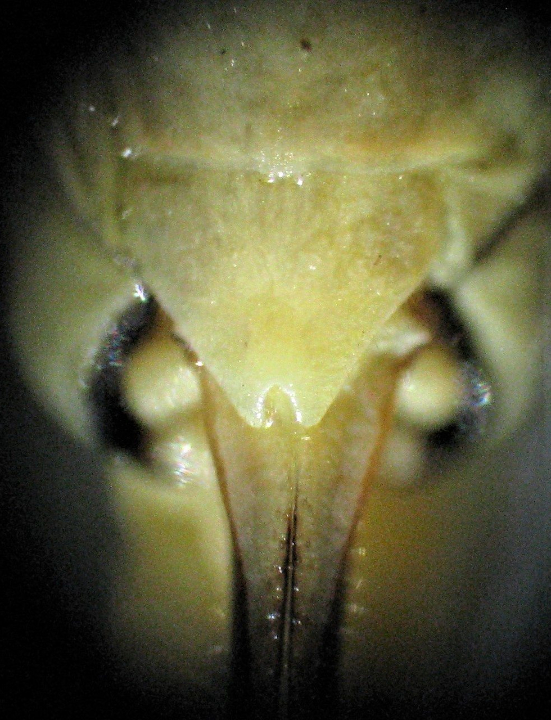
x,y
282,179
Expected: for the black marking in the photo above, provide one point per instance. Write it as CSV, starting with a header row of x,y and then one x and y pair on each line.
x,y
116,427
475,415
288,618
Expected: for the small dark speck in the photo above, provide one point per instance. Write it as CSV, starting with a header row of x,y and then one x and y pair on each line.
x,y
223,51
305,45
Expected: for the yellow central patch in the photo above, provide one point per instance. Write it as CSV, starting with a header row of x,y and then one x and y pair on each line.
x,y
280,283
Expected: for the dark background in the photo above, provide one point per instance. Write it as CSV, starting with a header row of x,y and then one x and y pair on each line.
x,y
53,660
